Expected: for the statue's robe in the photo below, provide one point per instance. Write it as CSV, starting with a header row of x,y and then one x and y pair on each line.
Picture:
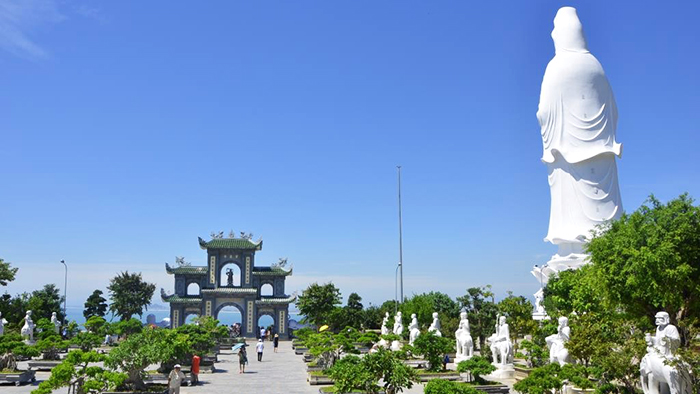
x,y
578,118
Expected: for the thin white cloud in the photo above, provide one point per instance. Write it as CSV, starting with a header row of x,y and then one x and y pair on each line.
x,y
19,19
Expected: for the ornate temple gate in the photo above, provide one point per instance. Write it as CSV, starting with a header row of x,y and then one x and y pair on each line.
x,y
215,294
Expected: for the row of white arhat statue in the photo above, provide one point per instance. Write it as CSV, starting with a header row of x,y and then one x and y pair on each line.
x,y
27,330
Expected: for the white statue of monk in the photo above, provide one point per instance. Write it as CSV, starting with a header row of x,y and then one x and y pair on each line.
x,y
578,118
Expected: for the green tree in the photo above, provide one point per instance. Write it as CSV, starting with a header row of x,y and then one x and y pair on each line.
x,y
79,368
351,315
519,312
643,255
317,302
387,367
481,311
44,302
11,346
433,348
7,273
130,295
478,366
423,305
13,309
96,305
442,386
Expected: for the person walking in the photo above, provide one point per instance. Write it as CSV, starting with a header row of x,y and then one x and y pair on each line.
x,y
276,342
259,347
242,359
195,370
262,333
175,380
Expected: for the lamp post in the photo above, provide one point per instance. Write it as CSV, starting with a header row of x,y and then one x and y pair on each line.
x,y
400,243
65,288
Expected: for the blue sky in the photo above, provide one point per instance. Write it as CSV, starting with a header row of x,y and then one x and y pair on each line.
x,y
130,128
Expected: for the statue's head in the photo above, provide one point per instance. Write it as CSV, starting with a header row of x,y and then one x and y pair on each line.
x,y
502,320
413,315
568,31
563,321
435,315
463,315
662,318
29,313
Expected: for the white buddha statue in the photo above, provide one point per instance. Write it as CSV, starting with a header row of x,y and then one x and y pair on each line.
x,y
385,322
578,118
465,345
435,326
657,373
2,324
28,328
501,345
55,322
556,343
413,329
398,324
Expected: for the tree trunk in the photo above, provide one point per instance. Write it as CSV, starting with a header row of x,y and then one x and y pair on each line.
x,y
136,379
8,361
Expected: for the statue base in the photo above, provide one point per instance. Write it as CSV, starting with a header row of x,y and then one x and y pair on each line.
x,y
383,343
396,346
502,372
558,263
30,343
460,358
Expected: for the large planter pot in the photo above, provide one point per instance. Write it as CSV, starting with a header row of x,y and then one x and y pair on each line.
x,y
575,390
300,350
317,379
327,390
18,377
494,389
308,358
416,363
451,375
43,365
522,372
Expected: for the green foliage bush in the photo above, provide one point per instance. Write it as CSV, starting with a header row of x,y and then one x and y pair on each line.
x,y
442,386
478,366
76,369
433,348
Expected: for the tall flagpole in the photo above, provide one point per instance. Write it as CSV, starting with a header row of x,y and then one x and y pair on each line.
x,y
400,243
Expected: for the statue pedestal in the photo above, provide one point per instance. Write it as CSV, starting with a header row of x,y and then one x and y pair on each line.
x,y
539,316
461,358
30,343
502,372
396,346
383,343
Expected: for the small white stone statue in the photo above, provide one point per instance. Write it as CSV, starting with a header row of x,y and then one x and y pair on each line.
x,y
657,376
556,343
413,329
398,325
28,328
2,325
435,326
385,329
465,345
55,322
501,346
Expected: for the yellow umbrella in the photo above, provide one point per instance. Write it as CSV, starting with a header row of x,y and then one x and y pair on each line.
x,y
323,328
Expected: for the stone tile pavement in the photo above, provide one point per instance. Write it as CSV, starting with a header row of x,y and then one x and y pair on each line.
x,y
282,372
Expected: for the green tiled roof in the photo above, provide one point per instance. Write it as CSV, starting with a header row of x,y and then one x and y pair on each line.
x,y
271,271
189,270
176,299
231,290
230,243
275,300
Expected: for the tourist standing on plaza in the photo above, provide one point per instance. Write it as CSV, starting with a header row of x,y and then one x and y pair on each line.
x,y
259,347
242,359
276,342
262,333
195,370
175,380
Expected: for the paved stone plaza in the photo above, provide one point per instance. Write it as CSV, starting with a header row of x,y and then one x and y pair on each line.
x,y
281,372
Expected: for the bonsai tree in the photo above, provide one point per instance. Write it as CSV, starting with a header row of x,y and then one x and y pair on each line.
x,y
442,386
75,371
351,373
50,342
328,347
11,346
433,348
136,353
536,355
394,374
86,341
125,328
478,366
97,325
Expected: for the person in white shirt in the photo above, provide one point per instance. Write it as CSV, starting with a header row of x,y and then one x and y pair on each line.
x,y
175,379
259,347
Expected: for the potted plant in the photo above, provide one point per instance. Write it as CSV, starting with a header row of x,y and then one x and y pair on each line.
x,y
75,371
49,344
12,346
